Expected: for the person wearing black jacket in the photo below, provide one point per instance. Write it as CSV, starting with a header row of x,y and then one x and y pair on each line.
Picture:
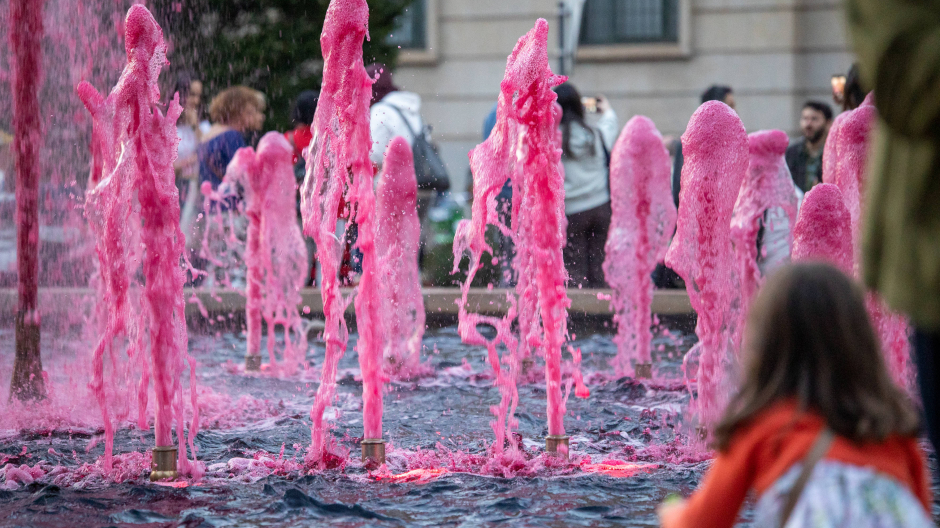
x,y
804,155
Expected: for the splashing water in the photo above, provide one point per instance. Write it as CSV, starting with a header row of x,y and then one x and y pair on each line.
x,y
369,316
524,146
397,236
135,146
848,145
275,255
337,164
715,147
845,157
78,41
767,188
643,220
823,230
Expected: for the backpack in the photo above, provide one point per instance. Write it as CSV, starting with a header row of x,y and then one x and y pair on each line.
x,y
429,168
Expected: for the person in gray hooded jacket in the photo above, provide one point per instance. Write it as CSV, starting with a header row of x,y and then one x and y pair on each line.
x,y
586,159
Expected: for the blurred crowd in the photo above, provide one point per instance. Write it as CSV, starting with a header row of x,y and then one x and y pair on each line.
x,y
234,118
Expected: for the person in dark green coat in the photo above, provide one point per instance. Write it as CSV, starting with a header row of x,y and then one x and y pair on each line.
x,y
898,47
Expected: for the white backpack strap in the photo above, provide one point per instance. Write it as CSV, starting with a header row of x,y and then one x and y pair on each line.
x,y
404,120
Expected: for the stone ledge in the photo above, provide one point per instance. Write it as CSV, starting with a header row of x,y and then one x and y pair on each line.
x,y
437,301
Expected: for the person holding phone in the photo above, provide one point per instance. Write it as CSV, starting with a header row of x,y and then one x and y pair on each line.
x,y
586,158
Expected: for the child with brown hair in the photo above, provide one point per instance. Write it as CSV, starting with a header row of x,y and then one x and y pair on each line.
x,y
818,429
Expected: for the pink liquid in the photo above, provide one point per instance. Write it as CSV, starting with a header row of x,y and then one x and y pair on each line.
x,y
275,255
524,145
846,154
715,147
644,218
768,185
848,147
397,236
368,304
337,160
137,146
823,229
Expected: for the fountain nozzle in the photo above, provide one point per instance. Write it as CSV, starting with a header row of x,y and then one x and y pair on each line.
x,y
163,465
252,363
373,449
644,371
702,432
557,445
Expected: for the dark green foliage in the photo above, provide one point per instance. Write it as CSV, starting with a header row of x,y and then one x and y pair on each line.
x,y
271,45
439,261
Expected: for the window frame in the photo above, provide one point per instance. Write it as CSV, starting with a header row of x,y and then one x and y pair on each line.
x,y
682,49
430,55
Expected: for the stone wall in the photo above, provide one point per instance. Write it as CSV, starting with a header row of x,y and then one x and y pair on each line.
x,y
774,53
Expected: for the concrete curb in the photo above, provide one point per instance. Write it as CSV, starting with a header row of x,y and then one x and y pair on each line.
x,y
437,301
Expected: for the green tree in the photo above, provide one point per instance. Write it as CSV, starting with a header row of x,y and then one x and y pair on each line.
x,y
271,45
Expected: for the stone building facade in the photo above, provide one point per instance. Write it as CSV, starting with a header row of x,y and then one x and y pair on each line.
x,y
649,57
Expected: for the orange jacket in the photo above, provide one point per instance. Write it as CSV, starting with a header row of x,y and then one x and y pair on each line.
x,y
763,450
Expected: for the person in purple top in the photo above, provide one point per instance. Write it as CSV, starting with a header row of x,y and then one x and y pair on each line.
x,y
235,112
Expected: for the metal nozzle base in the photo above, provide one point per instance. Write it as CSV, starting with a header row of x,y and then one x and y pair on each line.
x,y
163,465
252,363
644,371
557,445
702,432
373,449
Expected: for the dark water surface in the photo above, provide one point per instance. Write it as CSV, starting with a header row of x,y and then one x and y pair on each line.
x,y
445,417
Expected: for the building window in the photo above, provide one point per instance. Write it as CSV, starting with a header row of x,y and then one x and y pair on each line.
x,y
410,30
607,22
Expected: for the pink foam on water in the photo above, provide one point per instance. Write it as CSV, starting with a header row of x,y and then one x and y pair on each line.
x,y
715,147
337,163
524,146
823,229
397,236
643,220
137,146
768,185
126,467
618,468
845,158
276,255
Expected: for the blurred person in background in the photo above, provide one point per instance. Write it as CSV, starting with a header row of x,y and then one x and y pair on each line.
x,y
663,277
804,155
715,92
853,94
586,158
397,113
394,113
6,162
301,117
187,162
899,57
300,137
235,113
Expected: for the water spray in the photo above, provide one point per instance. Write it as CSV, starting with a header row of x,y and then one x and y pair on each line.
x,y
643,218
